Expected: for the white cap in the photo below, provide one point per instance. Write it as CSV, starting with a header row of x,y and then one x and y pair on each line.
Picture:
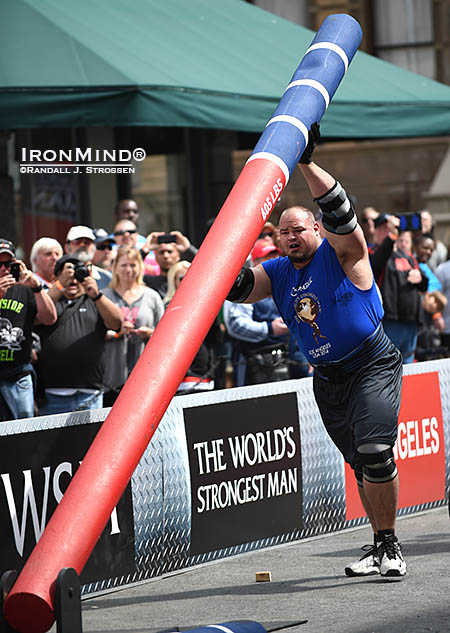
x,y
76,232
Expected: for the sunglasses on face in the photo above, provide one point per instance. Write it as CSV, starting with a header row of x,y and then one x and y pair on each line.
x,y
119,233
6,264
104,247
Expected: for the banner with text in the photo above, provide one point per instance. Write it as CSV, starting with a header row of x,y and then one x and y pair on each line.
x,y
36,469
245,471
420,448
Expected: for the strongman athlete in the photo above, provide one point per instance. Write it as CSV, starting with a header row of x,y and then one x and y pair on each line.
x,y
325,292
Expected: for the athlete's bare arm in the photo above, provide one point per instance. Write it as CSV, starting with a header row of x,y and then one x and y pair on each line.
x,y
351,249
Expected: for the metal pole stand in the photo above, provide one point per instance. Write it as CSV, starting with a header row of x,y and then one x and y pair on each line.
x,y
6,582
68,602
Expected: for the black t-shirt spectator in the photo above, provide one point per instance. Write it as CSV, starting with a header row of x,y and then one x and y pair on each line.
x,y
72,349
18,311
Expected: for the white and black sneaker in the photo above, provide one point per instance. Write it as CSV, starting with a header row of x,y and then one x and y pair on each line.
x,y
392,564
367,565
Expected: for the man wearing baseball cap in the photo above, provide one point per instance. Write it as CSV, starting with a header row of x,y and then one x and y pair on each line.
x,y
80,243
263,248
104,254
22,304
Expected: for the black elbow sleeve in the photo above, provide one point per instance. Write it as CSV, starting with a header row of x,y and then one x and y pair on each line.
x,y
242,287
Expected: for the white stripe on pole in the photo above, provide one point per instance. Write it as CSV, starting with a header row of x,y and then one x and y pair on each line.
x,y
274,159
332,47
312,83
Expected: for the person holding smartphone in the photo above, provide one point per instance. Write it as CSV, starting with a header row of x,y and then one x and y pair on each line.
x,y
22,304
169,248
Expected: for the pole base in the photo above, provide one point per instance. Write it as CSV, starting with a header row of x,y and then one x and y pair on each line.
x,y
68,602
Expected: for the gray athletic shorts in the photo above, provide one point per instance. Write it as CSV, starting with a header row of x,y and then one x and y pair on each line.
x,y
364,408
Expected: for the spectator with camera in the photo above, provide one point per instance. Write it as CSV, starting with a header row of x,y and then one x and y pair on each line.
x,y
80,243
70,367
44,254
22,304
169,248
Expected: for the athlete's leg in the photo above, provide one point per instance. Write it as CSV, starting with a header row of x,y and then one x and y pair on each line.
x,y
381,503
380,484
380,488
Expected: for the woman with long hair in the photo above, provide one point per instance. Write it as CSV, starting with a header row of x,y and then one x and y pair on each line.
x,y
142,309
175,275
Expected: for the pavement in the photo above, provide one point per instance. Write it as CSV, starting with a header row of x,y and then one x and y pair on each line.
x,y
308,593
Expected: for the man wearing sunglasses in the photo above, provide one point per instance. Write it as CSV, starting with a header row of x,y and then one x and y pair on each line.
x,y
22,304
126,233
80,243
104,244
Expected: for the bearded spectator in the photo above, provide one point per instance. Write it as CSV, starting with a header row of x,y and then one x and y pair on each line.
x,y
80,243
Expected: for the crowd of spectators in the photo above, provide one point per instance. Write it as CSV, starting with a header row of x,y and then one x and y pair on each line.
x,y
75,318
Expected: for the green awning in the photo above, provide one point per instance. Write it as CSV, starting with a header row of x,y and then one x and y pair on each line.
x,y
193,63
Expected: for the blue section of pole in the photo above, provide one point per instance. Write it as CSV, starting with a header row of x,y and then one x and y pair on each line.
x,y
236,626
311,89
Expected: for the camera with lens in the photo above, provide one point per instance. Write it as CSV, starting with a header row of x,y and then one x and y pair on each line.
x,y
81,271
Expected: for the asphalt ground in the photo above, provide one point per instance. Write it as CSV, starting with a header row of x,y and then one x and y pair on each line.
x,y
308,593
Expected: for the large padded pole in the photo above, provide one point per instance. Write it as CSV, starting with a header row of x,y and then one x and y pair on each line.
x,y
78,521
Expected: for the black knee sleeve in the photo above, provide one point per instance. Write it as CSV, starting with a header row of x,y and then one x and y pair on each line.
x,y
378,467
359,476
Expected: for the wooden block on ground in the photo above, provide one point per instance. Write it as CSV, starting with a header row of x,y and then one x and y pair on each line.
x,y
263,576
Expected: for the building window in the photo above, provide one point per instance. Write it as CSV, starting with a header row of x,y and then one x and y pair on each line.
x,y
403,34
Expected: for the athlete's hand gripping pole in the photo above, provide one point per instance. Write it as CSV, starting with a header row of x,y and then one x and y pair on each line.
x,y
78,521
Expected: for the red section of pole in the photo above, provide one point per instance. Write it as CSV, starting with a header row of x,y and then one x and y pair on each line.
x,y
78,521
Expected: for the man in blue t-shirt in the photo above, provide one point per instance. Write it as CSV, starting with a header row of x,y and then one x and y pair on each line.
x,y
325,292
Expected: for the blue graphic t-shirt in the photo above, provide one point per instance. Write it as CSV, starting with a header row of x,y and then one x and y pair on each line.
x,y
326,312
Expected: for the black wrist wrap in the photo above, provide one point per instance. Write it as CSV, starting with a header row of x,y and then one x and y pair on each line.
x,y
338,212
242,287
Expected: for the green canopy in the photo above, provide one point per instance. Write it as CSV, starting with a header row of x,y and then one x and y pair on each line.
x,y
193,63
